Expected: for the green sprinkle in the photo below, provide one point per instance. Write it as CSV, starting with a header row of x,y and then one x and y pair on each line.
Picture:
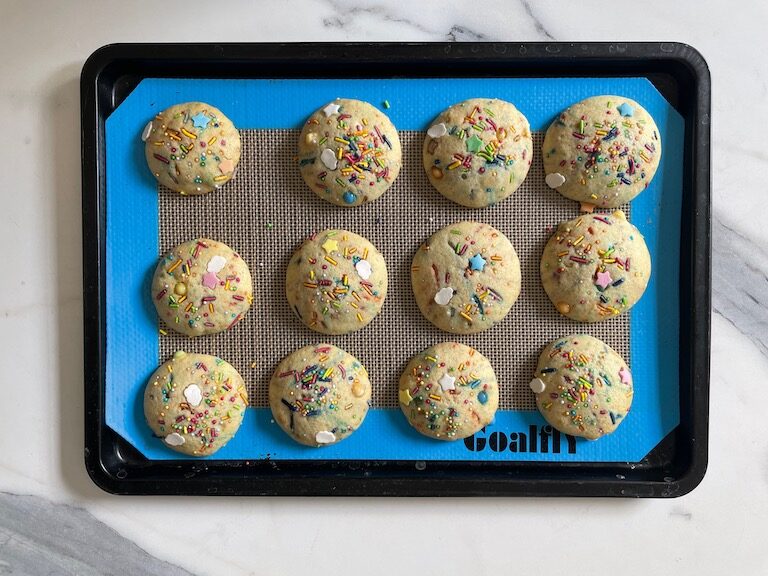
x,y
386,104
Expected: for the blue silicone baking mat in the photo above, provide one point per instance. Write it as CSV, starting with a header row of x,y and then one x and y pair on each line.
x,y
267,110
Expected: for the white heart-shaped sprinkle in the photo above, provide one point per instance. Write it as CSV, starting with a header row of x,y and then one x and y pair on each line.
x,y
537,385
444,296
193,394
325,437
554,180
328,158
174,439
216,263
447,383
147,131
363,268
437,130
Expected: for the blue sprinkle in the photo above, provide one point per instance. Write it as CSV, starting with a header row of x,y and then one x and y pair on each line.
x,y
482,397
474,384
349,197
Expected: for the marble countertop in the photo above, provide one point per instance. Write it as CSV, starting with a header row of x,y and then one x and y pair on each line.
x,y
53,520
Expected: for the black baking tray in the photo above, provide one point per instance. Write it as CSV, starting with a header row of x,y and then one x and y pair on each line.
x,y
673,468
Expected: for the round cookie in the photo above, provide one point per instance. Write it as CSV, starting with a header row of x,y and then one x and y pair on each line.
x,y
466,277
449,391
195,403
192,148
595,267
349,152
478,152
202,287
319,394
336,282
582,386
602,151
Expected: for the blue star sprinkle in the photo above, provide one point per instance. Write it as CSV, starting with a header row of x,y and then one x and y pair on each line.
x,y
477,262
200,120
626,110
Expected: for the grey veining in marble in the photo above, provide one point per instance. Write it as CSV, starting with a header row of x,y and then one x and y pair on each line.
x,y
40,537
739,281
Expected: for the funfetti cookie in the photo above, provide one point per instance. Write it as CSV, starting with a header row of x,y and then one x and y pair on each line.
x,y
336,282
466,277
195,403
595,267
602,151
349,152
319,394
478,152
449,391
202,287
192,148
582,386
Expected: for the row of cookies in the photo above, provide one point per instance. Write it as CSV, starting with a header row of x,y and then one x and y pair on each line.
x,y
320,394
602,151
465,278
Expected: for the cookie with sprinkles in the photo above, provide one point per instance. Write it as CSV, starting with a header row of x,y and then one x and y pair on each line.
x,y
595,267
202,287
583,386
478,152
449,391
602,151
336,282
195,403
319,394
349,152
466,277
192,148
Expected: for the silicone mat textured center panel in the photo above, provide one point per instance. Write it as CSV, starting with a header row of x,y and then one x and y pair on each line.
x,y
267,210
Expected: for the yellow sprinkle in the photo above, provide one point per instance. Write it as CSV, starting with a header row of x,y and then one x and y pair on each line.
x,y
359,317
453,165
340,140
365,254
578,240
563,253
331,260
188,307
210,307
220,177
461,366
339,153
435,397
175,265
212,140
323,358
466,316
163,332
188,134
311,274
496,258
356,296
431,358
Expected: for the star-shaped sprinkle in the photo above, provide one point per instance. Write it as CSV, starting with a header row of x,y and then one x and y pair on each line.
x,y
405,397
626,110
226,166
331,109
330,245
210,280
474,144
447,382
200,120
603,279
477,262
625,376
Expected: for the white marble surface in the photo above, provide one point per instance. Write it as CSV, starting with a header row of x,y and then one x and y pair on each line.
x,y
50,512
